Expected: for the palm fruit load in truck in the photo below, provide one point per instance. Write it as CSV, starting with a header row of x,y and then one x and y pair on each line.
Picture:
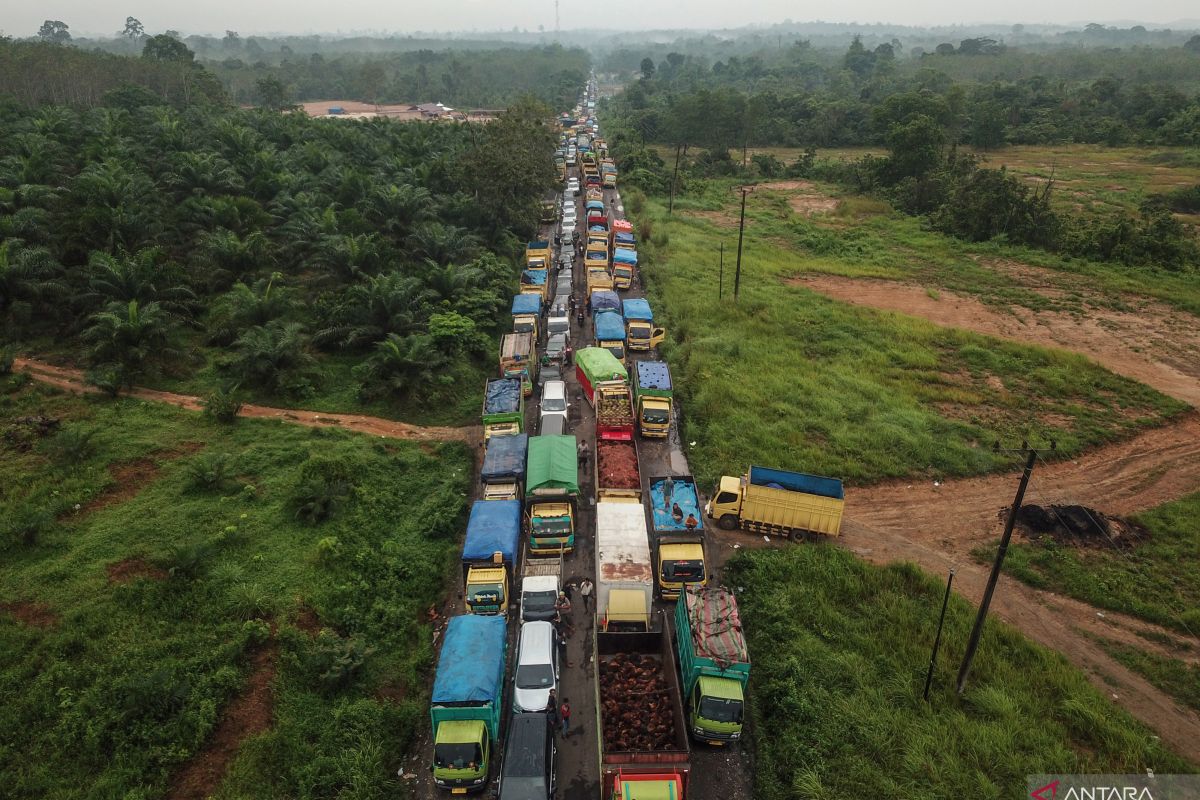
x,y
503,407
489,553
714,663
596,367
644,746
624,572
618,474
551,489
467,701
526,313
639,325
653,398
516,360
614,411
503,470
778,502
678,534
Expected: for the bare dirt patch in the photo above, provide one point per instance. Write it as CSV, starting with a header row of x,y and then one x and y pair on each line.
x,y
307,620
722,219
250,713
129,478
806,199
35,615
1153,344
131,569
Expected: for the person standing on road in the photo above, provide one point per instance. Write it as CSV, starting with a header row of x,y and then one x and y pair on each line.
x,y
552,711
564,713
582,452
585,591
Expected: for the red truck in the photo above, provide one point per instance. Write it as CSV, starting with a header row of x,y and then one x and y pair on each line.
x,y
614,411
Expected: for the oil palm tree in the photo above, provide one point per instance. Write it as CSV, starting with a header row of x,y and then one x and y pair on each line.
x,y
374,308
143,276
442,244
134,339
274,357
245,306
402,366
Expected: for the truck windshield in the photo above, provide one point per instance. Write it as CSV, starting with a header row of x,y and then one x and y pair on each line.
x,y
721,710
618,351
688,571
486,594
457,755
540,601
639,331
551,526
534,676
655,416
523,326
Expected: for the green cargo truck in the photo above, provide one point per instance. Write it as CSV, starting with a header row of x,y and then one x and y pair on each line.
x,y
714,664
551,486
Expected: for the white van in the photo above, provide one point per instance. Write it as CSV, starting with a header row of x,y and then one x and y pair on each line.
x,y
537,667
559,320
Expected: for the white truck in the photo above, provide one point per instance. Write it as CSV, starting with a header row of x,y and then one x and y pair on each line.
x,y
541,581
624,569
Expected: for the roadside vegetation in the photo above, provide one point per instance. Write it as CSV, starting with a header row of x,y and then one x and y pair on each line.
x,y
1156,579
1174,676
809,383
840,650
160,568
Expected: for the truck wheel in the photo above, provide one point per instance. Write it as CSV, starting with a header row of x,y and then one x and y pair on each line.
x,y
728,522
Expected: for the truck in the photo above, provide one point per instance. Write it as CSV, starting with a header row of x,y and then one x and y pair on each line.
x,y
598,279
639,325
549,208
624,572
609,332
551,487
541,581
652,398
608,174
503,407
596,367
537,255
489,554
614,411
517,361
624,262
618,475
778,502
644,745
503,470
535,282
466,703
596,254
678,533
714,663
526,313
604,300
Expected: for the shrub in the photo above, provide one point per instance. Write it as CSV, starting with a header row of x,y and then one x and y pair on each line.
x,y
324,484
223,405
188,560
108,378
25,525
333,662
70,446
7,356
210,471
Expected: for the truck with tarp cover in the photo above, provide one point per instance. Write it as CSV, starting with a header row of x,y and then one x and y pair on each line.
x,y
535,282
503,407
551,489
778,502
609,332
624,262
467,702
640,330
537,255
503,470
653,398
644,746
490,550
604,300
678,533
596,367
527,313
517,361
714,662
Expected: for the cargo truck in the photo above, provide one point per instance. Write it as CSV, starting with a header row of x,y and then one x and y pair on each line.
x,y
516,360
541,581
608,175
617,474
624,573
614,411
624,262
503,407
714,663
535,282
503,470
466,703
598,279
537,255
675,520
609,332
526,313
652,398
595,367
644,746
489,554
551,489
604,300
596,256
639,325
778,502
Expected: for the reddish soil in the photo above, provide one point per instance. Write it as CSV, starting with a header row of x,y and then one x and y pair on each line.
x,y
72,380
129,477
35,615
133,568
1154,344
806,200
250,713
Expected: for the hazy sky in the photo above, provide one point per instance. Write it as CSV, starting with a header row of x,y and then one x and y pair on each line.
x,y
23,17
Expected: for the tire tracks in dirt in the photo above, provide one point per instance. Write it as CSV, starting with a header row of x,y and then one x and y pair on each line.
x,y
73,380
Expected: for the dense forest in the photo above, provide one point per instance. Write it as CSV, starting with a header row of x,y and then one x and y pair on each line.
x,y
147,239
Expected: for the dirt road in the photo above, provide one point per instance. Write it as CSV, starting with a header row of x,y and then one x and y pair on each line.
x,y
73,380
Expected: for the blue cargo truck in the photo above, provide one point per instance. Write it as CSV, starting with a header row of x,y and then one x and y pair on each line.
x,y
489,555
503,471
466,702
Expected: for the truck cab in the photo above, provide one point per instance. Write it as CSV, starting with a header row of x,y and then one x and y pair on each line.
x,y
778,502
646,786
679,564
551,527
461,754
639,325
717,709
486,590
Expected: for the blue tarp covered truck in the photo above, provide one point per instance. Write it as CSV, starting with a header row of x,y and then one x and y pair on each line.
x,y
489,553
503,471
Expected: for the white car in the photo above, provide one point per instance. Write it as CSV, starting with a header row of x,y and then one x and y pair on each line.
x,y
554,393
537,667
568,231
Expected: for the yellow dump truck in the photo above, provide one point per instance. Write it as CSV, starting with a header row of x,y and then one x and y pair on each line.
x,y
778,502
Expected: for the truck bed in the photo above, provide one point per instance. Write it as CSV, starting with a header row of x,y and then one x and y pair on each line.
x,y
617,473
685,494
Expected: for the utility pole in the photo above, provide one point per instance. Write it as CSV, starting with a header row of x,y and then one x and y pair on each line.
x,y
977,631
556,20
674,179
721,279
737,272
937,640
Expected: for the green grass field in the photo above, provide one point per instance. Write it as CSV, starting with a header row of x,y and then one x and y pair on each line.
x,y
1158,580
840,649
1171,675
120,680
789,378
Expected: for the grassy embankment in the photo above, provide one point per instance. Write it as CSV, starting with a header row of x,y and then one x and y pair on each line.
x,y
148,570
787,377
839,664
